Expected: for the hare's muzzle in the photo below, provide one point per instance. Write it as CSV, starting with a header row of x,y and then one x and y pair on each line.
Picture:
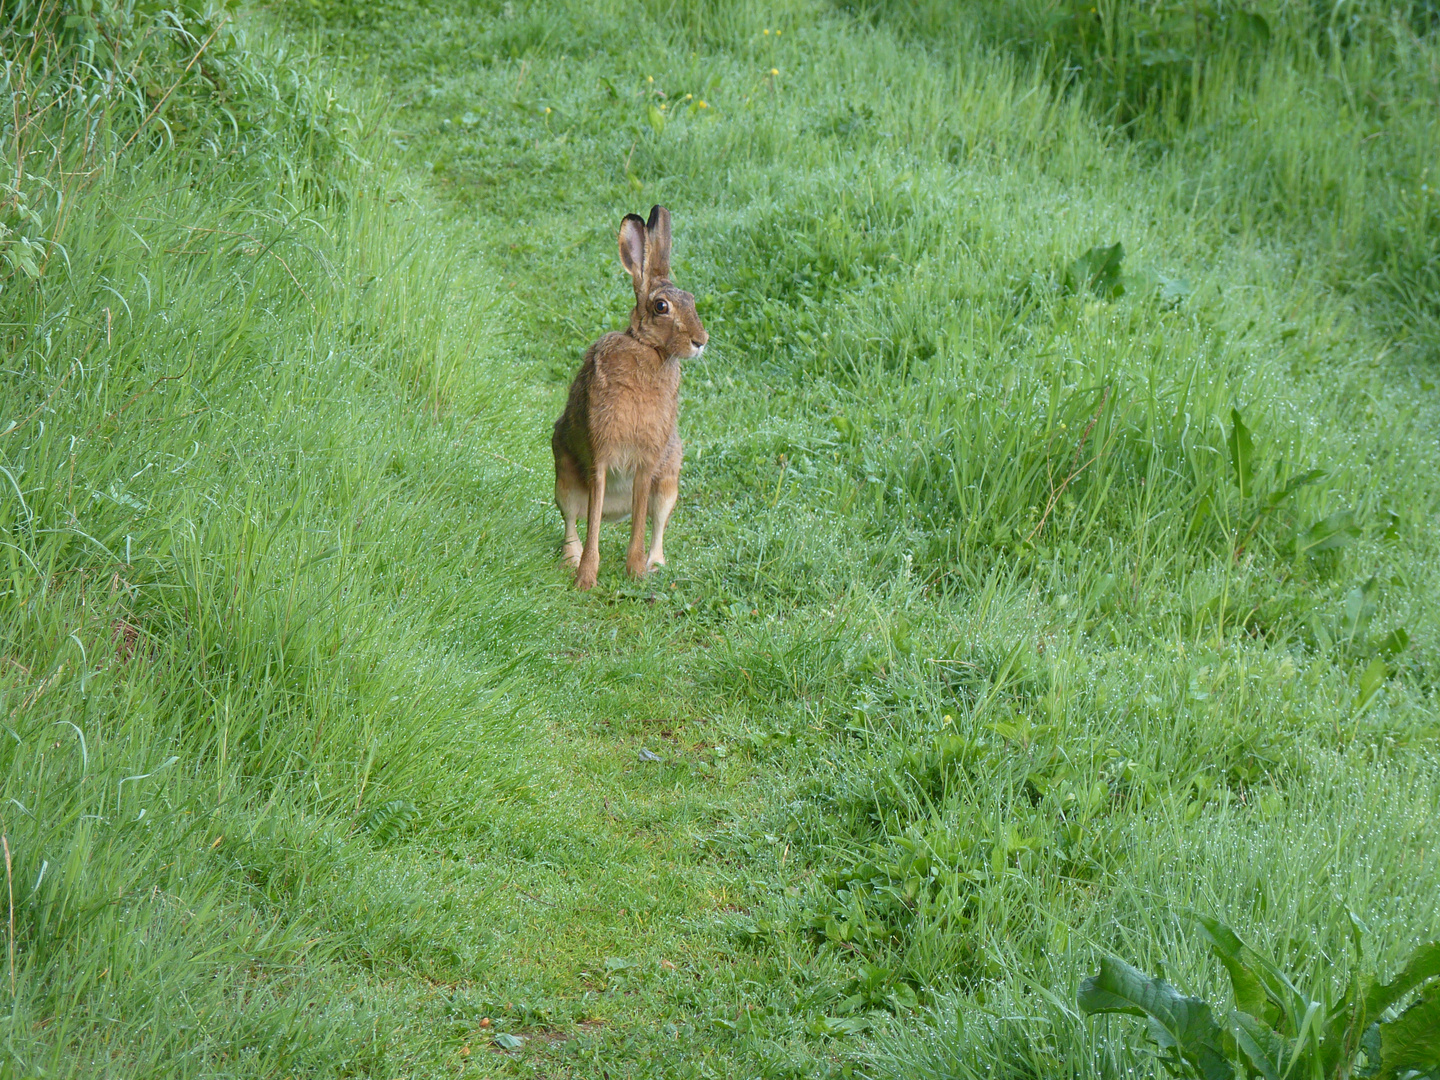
x,y
698,340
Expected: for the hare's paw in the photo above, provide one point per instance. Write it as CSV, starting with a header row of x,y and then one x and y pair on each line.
x,y
571,554
654,561
587,573
636,566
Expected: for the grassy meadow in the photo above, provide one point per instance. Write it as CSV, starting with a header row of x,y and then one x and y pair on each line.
x,y
1055,562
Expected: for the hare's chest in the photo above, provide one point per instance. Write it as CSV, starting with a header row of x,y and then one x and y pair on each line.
x,y
634,425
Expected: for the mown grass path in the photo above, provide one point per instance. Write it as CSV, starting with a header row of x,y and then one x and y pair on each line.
x,y
639,830
598,911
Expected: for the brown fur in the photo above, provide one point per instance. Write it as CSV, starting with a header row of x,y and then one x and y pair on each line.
x,y
619,425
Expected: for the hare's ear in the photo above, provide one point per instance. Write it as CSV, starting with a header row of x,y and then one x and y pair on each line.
x,y
632,248
657,243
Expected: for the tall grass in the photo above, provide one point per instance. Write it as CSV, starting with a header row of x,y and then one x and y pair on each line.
x,y
223,331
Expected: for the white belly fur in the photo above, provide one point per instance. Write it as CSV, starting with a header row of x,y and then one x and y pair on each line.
x,y
618,484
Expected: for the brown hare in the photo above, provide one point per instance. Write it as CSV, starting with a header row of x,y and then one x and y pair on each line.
x,y
617,449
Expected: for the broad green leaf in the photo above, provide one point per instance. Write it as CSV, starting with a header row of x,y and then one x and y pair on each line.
x,y
1264,1049
1337,1040
1370,1047
1105,277
1393,643
1281,1003
1209,1061
834,1025
1174,289
1117,988
1097,270
1423,965
1328,533
1359,607
1358,929
1244,982
1183,1023
1371,680
1412,1039
1242,453
1391,531
19,256
656,118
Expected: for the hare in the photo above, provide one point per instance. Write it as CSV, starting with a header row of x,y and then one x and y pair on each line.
x,y
617,449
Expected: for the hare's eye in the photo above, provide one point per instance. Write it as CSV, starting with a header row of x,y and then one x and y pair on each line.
x,y
661,307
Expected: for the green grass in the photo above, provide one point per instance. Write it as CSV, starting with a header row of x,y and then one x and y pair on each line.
x,y
974,659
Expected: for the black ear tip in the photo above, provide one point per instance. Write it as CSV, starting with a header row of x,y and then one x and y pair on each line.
x,y
656,213
636,218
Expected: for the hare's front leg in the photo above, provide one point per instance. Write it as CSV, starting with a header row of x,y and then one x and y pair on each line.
x,y
639,507
590,558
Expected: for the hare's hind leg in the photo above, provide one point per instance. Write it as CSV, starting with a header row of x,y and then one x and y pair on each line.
x,y
664,491
570,496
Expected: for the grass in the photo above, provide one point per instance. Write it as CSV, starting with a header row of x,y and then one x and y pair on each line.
x,y
1008,618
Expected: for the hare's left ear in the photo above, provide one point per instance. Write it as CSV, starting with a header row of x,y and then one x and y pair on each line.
x,y
657,243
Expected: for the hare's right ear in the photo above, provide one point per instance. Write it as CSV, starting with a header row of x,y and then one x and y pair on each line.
x,y
657,246
632,249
